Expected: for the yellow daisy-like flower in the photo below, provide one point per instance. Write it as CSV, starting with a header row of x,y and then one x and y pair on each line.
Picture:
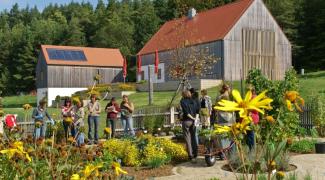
x,y
17,148
117,168
89,169
259,103
27,107
75,100
292,97
270,119
107,130
75,177
97,77
242,127
221,129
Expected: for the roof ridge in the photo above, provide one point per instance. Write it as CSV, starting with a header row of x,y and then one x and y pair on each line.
x,y
48,45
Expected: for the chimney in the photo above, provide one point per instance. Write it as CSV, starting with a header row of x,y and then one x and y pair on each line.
x,y
191,13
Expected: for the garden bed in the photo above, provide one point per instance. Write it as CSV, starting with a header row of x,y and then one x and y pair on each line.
x,y
147,173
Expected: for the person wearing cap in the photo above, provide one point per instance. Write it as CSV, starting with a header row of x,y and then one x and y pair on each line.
x,y
39,114
93,118
112,108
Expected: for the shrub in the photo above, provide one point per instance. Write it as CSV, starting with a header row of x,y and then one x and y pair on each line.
x,y
126,87
303,146
154,155
176,151
124,150
318,114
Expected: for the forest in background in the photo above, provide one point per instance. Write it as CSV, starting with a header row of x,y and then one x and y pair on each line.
x,y
128,25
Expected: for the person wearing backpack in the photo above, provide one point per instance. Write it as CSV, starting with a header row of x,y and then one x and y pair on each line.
x,y
39,114
127,109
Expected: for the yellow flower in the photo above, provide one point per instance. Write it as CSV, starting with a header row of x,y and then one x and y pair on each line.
x,y
117,168
270,119
68,120
259,103
75,177
38,124
17,148
71,140
280,174
221,129
75,100
89,169
292,97
27,107
97,77
242,127
107,130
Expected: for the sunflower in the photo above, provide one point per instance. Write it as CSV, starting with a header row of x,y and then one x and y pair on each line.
x,y
27,107
38,124
259,103
107,130
293,97
75,177
68,120
242,127
89,169
270,119
117,168
17,148
221,129
280,175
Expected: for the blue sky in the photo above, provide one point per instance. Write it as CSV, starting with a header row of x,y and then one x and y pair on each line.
x,y
7,4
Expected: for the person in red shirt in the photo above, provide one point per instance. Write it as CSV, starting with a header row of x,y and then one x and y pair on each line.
x,y
256,118
112,109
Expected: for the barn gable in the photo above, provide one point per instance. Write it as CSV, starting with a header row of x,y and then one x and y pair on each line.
x,y
256,41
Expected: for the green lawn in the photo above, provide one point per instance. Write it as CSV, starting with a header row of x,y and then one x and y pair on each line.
x,y
312,84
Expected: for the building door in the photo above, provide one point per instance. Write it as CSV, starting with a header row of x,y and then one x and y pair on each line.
x,y
259,52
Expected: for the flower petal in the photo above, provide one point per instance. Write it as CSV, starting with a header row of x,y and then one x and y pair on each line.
x,y
248,96
236,95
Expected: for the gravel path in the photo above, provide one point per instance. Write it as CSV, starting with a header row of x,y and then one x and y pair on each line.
x,y
314,164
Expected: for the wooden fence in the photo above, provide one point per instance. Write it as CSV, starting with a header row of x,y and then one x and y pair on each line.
x,y
169,118
306,119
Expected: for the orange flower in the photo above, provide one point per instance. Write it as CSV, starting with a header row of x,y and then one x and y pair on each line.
x,y
270,119
292,97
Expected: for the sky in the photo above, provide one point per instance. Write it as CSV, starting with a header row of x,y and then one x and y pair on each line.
x,y
7,4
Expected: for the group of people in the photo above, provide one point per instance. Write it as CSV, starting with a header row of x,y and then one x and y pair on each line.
x,y
73,116
199,111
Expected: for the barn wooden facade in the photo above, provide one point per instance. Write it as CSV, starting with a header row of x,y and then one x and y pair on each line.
x,y
63,70
243,34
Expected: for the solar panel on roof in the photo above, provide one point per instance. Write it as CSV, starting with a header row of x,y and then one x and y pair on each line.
x,y
66,55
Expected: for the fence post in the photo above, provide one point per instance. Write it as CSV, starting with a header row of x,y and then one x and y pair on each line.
x,y
172,115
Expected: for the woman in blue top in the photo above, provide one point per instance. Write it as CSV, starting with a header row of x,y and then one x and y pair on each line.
x,y
39,114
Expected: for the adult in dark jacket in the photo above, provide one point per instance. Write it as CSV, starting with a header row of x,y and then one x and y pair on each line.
x,y
39,114
190,109
112,109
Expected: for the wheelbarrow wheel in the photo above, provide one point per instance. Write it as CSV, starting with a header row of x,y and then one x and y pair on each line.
x,y
210,158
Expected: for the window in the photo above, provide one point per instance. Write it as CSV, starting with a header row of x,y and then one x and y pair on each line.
x,y
67,55
159,74
142,75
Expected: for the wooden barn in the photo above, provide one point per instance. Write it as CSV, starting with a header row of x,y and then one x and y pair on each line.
x,y
242,34
63,70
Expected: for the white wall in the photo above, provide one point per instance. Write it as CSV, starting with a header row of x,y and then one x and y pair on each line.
x,y
53,92
155,80
41,93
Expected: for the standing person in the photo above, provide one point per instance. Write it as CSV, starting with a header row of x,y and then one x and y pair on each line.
x,y
127,109
39,114
190,110
224,118
195,98
93,118
68,115
112,109
250,137
79,124
206,109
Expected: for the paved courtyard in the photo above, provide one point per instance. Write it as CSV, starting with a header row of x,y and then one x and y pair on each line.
x,y
314,164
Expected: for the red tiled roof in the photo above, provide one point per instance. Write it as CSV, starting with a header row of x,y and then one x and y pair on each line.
x,y
206,26
102,57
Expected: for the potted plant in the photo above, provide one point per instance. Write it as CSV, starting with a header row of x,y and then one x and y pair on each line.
x,y
320,147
